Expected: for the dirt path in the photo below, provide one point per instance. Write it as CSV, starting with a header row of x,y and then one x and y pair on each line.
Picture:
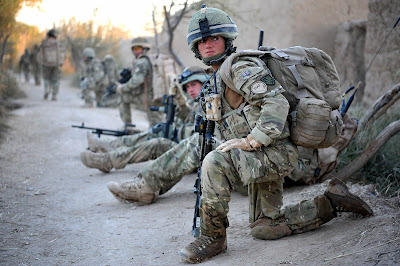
x,y
55,211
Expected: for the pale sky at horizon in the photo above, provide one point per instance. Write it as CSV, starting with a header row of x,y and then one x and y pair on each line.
x,y
132,15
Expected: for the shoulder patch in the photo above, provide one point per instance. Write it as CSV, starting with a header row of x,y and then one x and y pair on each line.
x,y
268,80
259,87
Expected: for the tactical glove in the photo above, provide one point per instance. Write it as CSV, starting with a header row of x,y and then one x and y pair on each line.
x,y
246,144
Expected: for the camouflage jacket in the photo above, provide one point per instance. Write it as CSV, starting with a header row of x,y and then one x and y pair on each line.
x,y
94,73
184,121
110,72
264,110
141,73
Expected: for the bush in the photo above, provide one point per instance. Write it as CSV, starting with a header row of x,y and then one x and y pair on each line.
x,y
383,169
8,90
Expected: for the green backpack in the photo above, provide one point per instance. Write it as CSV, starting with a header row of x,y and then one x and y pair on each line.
x,y
312,87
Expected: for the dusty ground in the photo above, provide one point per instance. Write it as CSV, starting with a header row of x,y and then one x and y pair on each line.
x,y
55,211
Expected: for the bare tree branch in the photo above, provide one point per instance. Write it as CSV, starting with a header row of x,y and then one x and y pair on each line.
x,y
348,171
379,107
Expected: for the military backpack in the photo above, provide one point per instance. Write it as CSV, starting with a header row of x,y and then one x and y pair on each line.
x,y
312,87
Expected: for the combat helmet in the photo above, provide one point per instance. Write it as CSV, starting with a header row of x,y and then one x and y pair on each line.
x,y
140,41
89,52
52,33
211,22
109,58
192,73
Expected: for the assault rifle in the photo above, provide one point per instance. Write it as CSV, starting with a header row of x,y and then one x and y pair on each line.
x,y
110,132
166,127
125,74
205,128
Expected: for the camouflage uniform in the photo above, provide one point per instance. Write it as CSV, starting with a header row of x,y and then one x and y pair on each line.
x,y
36,67
149,146
139,89
110,77
94,75
51,57
24,63
258,151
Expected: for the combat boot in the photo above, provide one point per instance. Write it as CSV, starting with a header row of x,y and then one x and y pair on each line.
x,y
101,161
133,191
54,98
267,229
204,247
46,94
97,145
343,201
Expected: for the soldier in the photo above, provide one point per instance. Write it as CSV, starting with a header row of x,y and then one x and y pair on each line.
x,y
51,57
148,145
257,151
110,77
24,63
92,78
138,90
36,67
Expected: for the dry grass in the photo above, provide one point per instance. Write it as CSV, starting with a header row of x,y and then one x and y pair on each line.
x,y
383,169
8,90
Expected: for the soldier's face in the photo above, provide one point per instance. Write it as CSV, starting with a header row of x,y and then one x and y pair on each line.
x,y
210,46
137,50
193,88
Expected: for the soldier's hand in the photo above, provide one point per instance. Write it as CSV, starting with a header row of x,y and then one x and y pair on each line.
x,y
246,144
173,90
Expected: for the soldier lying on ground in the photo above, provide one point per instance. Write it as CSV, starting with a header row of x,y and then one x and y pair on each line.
x,y
105,155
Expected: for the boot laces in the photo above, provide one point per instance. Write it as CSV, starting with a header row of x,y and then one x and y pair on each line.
x,y
201,243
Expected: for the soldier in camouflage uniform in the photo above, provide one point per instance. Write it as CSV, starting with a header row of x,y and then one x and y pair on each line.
x,y
257,151
24,63
92,77
138,90
149,145
51,57
110,77
35,65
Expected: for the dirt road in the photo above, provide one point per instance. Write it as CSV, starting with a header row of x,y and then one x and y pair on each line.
x,y
55,211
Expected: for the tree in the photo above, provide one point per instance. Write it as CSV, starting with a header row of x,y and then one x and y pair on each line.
x,y
8,12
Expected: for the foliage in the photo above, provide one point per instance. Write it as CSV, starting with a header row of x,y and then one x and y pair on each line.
x,y
8,11
104,39
8,89
384,168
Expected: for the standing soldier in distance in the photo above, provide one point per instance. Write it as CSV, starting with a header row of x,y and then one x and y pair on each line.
x,y
92,77
51,57
257,151
138,90
36,67
110,77
24,63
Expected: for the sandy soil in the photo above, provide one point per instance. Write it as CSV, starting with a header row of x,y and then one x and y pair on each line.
x,y
55,211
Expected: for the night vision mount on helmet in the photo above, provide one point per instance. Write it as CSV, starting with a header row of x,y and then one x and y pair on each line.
x,y
211,22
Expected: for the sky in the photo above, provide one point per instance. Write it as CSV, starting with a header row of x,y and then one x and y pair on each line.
x,y
133,15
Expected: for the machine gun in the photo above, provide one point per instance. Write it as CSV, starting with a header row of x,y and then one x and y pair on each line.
x,y
167,127
110,132
125,74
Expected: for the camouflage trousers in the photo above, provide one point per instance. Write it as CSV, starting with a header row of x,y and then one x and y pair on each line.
x,y
138,101
263,171
140,152
36,73
51,77
98,92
